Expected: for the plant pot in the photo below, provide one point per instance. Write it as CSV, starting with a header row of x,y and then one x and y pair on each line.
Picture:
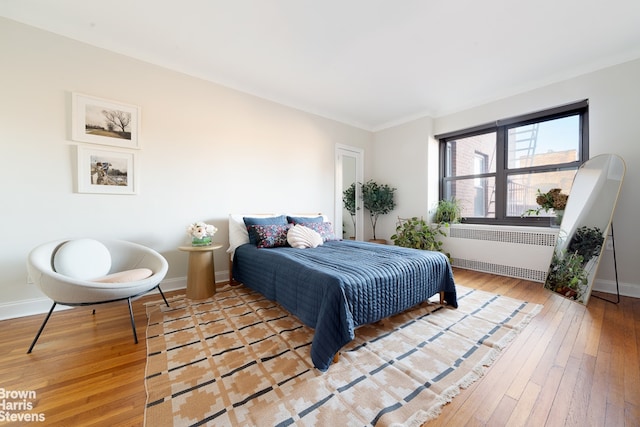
x,y
380,241
567,292
557,220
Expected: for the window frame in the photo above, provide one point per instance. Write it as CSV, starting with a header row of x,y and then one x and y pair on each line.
x,y
501,128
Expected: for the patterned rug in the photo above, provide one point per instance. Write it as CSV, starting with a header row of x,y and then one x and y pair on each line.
x,y
238,359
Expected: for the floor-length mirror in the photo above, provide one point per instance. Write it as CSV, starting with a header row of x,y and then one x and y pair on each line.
x,y
585,227
348,211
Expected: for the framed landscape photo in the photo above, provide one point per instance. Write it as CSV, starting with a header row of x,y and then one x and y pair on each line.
x,y
106,171
100,121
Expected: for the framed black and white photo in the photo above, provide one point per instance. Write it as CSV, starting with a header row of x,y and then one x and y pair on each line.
x,y
106,171
100,121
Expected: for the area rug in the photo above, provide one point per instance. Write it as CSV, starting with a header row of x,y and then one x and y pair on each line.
x,y
237,359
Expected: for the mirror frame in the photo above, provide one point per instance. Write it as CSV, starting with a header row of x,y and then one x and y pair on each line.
x,y
585,227
342,151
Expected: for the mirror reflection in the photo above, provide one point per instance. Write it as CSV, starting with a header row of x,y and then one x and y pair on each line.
x,y
348,212
349,198
585,225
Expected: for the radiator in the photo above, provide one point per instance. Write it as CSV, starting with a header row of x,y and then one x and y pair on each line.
x,y
521,252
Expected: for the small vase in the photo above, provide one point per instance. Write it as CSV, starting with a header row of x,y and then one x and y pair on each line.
x,y
557,220
204,241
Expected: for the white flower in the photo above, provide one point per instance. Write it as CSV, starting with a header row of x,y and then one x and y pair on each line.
x,y
200,229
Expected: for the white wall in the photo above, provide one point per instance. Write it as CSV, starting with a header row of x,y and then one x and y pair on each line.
x,y
400,158
207,151
614,104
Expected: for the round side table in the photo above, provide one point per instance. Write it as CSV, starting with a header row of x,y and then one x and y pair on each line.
x,y
201,282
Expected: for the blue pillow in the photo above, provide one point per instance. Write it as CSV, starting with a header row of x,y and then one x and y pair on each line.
x,y
273,220
305,219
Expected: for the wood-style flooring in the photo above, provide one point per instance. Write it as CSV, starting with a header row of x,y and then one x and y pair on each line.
x,y
572,366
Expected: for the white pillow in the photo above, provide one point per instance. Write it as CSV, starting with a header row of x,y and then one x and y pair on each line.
x,y
82,259
300,237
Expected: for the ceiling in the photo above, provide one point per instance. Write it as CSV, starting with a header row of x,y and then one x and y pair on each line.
x,y
368,63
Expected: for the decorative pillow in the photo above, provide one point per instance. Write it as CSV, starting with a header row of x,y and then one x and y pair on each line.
x,y
126,276
274,220
269,235
82,259
325,229
304,219
300,236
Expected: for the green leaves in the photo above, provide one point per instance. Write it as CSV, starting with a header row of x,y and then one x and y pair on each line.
x,y
448,210
349,199
418,234
567,275
378,200
587,242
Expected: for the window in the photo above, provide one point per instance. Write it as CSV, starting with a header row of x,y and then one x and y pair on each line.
x,y
480,200
495,170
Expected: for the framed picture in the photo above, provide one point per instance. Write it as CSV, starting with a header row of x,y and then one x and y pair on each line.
x,y
107,171
101,121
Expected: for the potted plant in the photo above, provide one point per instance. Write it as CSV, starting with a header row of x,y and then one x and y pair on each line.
x,y
201,233
553,199
567,275
378,200
587,242
448,211
349,202
417,234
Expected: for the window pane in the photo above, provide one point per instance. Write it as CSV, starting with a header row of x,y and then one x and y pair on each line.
x,y
477,196
544,143
462,154
522,189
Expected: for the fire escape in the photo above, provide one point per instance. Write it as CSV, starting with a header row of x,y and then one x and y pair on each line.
x,y
522,150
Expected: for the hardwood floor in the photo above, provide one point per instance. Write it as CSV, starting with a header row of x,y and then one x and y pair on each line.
x,y
572,366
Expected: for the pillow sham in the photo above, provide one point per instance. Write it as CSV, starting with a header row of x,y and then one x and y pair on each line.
x,y
304,219
267,220
325,229
269,235
272,220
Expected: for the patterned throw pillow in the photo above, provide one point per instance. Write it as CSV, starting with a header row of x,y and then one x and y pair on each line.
x,y
249,221
325,229
269,235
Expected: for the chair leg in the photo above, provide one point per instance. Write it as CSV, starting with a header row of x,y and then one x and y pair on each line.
x,y
46,319
133,322
162,293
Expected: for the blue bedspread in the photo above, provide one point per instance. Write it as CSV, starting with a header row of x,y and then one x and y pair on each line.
x,y
343,284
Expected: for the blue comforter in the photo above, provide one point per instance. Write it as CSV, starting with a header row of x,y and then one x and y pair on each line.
x,y
343,284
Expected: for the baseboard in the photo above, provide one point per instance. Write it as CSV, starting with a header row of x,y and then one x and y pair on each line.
x,y
609,287
174,284
30,307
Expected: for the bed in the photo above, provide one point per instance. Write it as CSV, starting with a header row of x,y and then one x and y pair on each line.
x,y
337,285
